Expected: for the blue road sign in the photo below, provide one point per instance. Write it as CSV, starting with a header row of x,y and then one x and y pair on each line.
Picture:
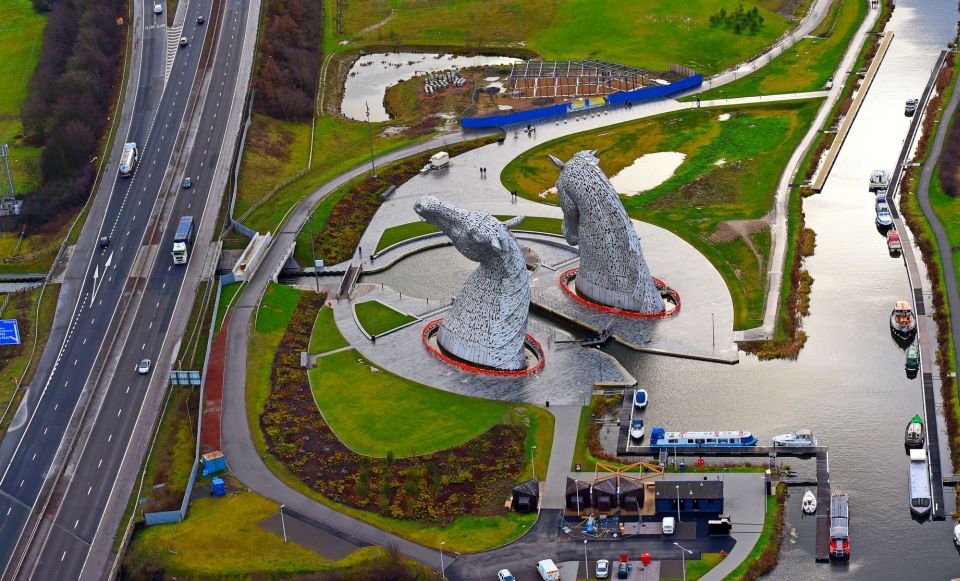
x,y
9,332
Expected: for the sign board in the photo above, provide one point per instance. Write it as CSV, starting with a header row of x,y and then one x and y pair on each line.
x,y
318,264
9,332
189,378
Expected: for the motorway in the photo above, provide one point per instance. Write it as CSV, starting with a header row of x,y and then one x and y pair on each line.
x,y
114,281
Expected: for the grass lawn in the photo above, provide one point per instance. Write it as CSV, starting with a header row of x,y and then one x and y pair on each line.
x,y
396,234
171,461
808,65
373,411
698,568
20,45
377,318
227,295
325,336
649,34
274,150
730,174
227,526
339,144
463,534
15,358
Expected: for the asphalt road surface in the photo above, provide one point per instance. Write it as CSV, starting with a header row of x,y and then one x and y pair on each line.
x,y
155,124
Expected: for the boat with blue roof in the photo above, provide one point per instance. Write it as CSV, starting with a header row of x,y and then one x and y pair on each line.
x,y
661,437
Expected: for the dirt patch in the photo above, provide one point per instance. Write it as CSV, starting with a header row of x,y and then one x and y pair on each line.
x,y
272,141
730,229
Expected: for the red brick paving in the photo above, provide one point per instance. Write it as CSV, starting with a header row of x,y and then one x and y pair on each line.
x,y
213,389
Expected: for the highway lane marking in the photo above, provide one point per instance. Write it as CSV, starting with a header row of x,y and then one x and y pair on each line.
x,y
84,341
110,437
119,411
128,389
34,457
100,302
168,268
144,346
75,361
56,407
63,556
8,510
21,483
99,463
89,490
75,523
151,325
45,430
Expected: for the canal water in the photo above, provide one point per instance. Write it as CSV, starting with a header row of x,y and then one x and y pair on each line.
x,y
849,383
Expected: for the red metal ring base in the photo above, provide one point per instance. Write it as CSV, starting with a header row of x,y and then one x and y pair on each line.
x,y
569,275
432,326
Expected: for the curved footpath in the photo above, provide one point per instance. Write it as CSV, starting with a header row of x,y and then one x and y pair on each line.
x,y
943,242
238,445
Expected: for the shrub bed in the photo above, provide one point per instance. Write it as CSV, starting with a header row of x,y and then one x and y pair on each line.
x,y
473,478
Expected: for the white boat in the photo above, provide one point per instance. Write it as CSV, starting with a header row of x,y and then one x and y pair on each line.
x,y
879,179
640,398
903,324
637,430
809,502
797,439
919,483
956,534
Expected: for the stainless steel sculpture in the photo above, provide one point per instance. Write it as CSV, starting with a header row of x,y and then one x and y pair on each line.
x,y
487,323
612,269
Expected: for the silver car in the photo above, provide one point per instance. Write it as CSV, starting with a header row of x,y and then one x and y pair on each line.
x,y
143,367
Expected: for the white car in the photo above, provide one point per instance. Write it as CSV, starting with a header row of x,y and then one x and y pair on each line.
x,y
603,569
143,367
184,41
158,8
669,525
505,575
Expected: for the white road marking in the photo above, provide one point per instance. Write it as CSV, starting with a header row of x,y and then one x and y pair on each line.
x,y
99,463
128,389
34,456
63,556
119,411
89,490
75,523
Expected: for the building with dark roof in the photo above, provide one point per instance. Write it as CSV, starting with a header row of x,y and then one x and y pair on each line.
x,y
526,496
605,494
573,487
691,495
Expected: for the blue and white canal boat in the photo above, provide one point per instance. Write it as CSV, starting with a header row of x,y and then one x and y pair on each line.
x,y
661,437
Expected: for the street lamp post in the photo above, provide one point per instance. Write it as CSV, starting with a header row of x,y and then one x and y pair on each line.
x,y
586,562
373,167
577,483
533,463
441,560
283,525
678,503
683,559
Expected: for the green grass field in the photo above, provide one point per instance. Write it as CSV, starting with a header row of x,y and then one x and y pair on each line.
x,y
20,43
325,336
730,174
808,65
218,527
649,34
377,318
228,295
373,411
339,144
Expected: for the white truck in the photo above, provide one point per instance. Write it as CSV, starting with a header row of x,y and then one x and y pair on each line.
x,y
128,159
182,240
548,570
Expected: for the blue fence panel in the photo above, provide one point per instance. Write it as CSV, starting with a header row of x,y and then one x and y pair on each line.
x,y
638,95
648,93
227,279
243,229
162,518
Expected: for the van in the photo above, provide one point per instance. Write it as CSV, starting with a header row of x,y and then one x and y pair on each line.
x,y
669,524
548,570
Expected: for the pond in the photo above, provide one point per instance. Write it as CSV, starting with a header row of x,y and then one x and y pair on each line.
x,y
372,74
647,172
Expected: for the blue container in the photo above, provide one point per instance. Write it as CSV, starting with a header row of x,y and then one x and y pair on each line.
x,y
219,488
213,462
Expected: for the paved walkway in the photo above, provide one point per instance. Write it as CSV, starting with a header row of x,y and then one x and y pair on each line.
x,y
213,390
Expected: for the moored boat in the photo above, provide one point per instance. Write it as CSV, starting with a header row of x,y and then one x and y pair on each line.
x,y
919,483
956,534
661,437
913,358
879,180
911,107
640,398
915,436
839,526
797,439
894,246
884,217
637,430
903,324
809,502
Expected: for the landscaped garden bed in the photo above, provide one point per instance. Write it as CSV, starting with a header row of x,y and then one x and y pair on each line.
x,y
473,478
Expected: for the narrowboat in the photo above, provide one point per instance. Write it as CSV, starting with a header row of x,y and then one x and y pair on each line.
x,y
839,526
919,483
894,246
661,437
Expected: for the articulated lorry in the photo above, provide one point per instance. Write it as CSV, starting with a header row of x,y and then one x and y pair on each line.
x,y
182,240
128,159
